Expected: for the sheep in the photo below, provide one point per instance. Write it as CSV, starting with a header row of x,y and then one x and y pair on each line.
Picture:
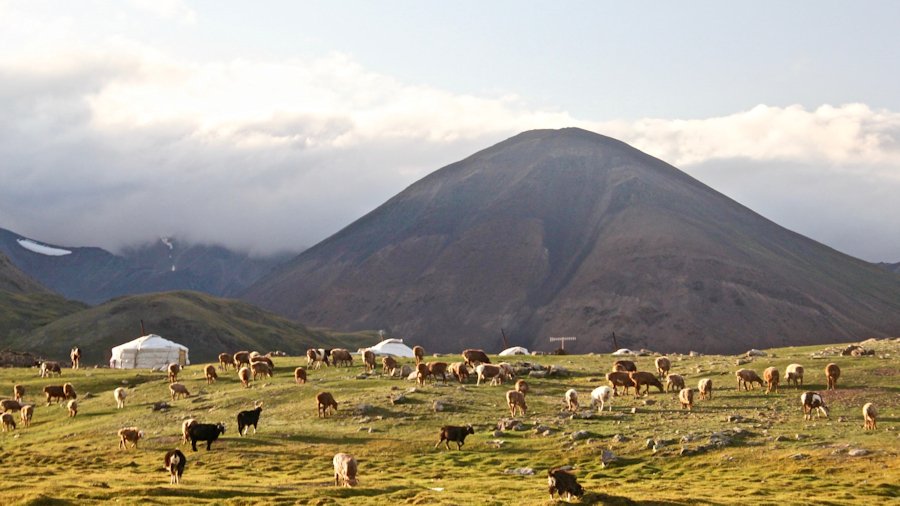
x,y
663,364
435,368
345,469
205,432
508,370
489,371
419,353
48,368
388,364
646,379
300,375
459,371
185,430
119,395
129,435
211,374
241,358
10,405
253,354
870,416
563,482
521,386
571,400
175,461
471,356
18,392
247,418
619,379
422,373
244,376
26,413
369,360
674,382
340,356
771,376
325,400
601,395
316,357
264,359
746,378
516,402
177,389
832,373
225,360
173,371
54,392
455,434
69,391
8,422
705,386
75,355
72,406
813,401
794,374
260,369
686,396
624,366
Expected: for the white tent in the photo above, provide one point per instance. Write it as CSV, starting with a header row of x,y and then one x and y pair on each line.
x,y
148,352
393,347
515,350
623,351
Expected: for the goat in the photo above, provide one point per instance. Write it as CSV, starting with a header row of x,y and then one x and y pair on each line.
x,y
300,375
10,405
247,418
175,461
8,422
459,371
18,392
119,394
244,376
602,395
832,373
571,400
624,366
241,358
794,374
345,469
75,355
185,426
619,379
340,356
211,374
225,360
262,358
516,402
54,392
647,379
813,401
521,386
489,371
674,382
369,360
69,391
562,482
177,389
746,378
471,356
173,371
205,432
663,364
508,370
686,396
771,376
705,386
455,434
422,373
325,400
72,406
419,353
48,368
26,413
260,369
316,357
870,416
435,368
388,364
129,435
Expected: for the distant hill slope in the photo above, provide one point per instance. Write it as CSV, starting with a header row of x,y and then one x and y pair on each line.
x,y
94,275
206,325
567,232
891,267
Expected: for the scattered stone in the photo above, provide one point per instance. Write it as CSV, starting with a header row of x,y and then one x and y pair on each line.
x,y
686,452
541,428
406,370
160,406
362,376
619,438
799,456
634,410
579,435
411,390
88,395
558,370
412,376
521,471
800,437
694,354
498,433
547,432
687,438
741,361
372,429
509,424
496,443
608,457
649,402
400,399
363,409
566,468
537,374
720,439
363,429
781,439
649,443
857,452
755,353
842,419
736,419
437,405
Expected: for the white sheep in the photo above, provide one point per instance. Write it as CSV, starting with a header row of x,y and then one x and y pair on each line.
x,y
870,415
345,469
119,395
572,400
602,395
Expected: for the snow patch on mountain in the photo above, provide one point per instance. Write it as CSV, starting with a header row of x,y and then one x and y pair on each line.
x,y
43,249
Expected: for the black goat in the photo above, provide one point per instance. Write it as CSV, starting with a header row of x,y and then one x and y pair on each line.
x,y
175,461
205,432
455,434
562,482
247,418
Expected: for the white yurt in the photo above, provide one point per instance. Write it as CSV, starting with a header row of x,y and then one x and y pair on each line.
x,y
148,352
393,347
515,350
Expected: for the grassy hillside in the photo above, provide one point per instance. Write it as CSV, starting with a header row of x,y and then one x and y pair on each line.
x,y
206,325
774,456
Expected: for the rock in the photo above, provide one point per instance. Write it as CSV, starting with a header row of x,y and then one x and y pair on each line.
x,y
541,428
160,406
437,405
608,457
547,432
649,443
411,390
687,438
735,419
781,439
558,370
686,452
521,471
842,419
755,353
362,376
799,456
496,443
800,437
857,452
88,395
634,410
649,402
619,438
412,376
720,439
509,424
363,409
565,468
400,399
406,370
741,361
537,374
363,429
372,429
579,435
694,354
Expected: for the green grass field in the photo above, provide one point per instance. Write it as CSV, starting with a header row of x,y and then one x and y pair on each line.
x,y
61,460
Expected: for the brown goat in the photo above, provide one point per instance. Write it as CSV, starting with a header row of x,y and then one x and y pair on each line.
x,y
419,353
686,396
624,366
18,392
674,382
422,373
173,371
459,371
474,357
771,376
325,400
225,360
647,379
870,416
516,402
244,375
211,374
746,378
369,360
663,364
619,379
832,373
388,364
521,386
300,375
705,386
241,358
435,368
54,392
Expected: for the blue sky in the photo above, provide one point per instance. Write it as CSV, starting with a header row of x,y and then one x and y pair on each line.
x,y
309,114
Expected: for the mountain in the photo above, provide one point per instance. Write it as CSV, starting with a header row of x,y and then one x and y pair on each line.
x,y
94,275
570,233
891,267
206,325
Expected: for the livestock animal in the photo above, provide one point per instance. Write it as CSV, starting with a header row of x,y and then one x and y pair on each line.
x,y
508,370
225,360
870,416
422,373
484,371
300,375
48,368
260,369
241,358
129,435
54,392
244,376
8,422
369,360
10,405
211,374
832,373
663,364
175,462
771,376
177,389
471,356
316,357
521,386
516,402
247,418
388,364
746,378
563,482
119,395
340,356
345,469
18,392
601,395
173,371
619,379
674,382
456,434
69,391
459,371
435,368
262,358
419,353
646,379
26,413
75,355
686,396
794,374
324,401
185,426
571,400
813,401
624,365
205,432
705,386
72,406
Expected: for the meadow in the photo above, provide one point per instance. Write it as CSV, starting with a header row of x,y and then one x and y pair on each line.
x,y
769,455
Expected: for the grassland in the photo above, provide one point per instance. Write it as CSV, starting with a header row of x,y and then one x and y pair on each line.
x,y
778,458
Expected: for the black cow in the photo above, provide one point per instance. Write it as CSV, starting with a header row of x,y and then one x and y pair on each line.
x,y
205,432
562,482
455,434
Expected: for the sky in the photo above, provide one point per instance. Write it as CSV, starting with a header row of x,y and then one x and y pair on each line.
x,y
268,126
